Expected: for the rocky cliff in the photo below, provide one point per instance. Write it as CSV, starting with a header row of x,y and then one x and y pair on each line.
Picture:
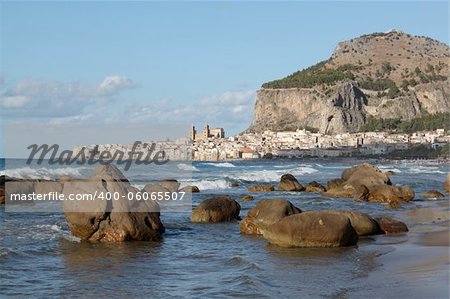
x,y
382,75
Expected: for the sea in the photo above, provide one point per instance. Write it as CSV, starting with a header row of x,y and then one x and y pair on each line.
x,y
39,257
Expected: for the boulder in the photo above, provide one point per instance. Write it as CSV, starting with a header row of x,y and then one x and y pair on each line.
x,y
110,220
334,183
312,229
388,225
361,222
217,209
266,213
447,183
261,188
247,197
315,187
366,182
289,183
154,188
170,184
190,189
387,193
17,186
432,194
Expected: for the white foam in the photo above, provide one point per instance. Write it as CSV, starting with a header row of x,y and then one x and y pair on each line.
x,y
187,167
273,175
208,184
42,173
225,164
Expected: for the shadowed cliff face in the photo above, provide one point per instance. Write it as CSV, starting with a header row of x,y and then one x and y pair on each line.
x,y
394,75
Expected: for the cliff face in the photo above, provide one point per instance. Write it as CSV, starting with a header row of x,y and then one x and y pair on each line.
x,y
381,75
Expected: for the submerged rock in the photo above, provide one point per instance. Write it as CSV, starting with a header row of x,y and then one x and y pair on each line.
x,y
247,197
289,183
261,188
217,209
432,194
266,213
110,220
312,229
315,187
389,225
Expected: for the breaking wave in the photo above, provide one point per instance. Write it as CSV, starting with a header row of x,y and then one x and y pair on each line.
x,y
225,164
43,173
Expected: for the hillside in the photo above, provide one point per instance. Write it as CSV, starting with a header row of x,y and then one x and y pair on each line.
x,y
390,75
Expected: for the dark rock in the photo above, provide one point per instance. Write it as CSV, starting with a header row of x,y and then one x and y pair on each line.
x,y
432,194
315,187
261,188
217,209
388,225
190,189
289,183
247,197
312,229
266,213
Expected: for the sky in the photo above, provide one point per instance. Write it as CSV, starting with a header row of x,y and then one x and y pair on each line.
x,y
175,62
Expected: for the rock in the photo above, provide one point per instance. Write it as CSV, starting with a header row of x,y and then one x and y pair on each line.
x,y
388,225
266,213
361,222
315,187
447,184
361,193
217,209
247,197
289,183
2,189
334,183
432,194
386,193
261,188
393,205
110,220
312,229
171,185
17,187
366,182
45,187
365,174
154,188
190,189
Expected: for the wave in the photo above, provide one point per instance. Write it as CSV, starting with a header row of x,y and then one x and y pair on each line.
x,y
210,184
426,169
187,167
224,164
43,173
273,175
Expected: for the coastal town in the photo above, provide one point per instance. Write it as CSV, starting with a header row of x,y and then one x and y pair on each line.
x,y
212,145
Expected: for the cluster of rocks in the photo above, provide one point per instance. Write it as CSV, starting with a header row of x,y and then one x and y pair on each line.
x,y
283,224
277,220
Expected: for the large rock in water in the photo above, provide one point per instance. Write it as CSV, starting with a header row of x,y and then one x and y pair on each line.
x,y
266,213
361,222
289,183
312,229
315,187
217,209
366,182
432,194
110,220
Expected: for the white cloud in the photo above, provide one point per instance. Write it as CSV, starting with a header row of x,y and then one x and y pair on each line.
x,y
14,101
51,99
112,84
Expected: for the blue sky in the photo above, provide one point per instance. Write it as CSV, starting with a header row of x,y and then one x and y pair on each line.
x,y
175,62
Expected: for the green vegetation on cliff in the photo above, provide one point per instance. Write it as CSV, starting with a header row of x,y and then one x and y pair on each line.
x,y
381,85
312,76
426,122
